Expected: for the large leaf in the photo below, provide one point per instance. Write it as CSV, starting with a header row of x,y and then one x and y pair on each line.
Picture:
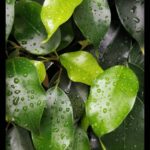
x,y
57,127
56,12
81,66
130,134
10,4
67,35
81,141
29,30
111,98
131,14
18,139
93,19
25,97
77,93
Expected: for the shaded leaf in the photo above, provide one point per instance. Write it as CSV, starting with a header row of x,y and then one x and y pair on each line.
x,y
93,19
29,30
10,4
25,97
67,35
131,14
56,12
130,134
111,98
81,66
18,139
57,128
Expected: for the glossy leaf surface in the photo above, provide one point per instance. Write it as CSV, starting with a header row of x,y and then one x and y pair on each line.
x,y
10,4
29,30
130,134
93,19
18,139
25,97
111,98
131,14
81,66
57,128
56,12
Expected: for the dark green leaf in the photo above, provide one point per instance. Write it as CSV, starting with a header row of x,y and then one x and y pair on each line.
x,y
56,12
131,14
93,19
29,30
111,98
57,126
130,134
10,4
81,66
18,139
25,97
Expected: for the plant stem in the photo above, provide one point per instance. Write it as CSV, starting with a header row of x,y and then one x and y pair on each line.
x,y
102,144
59,75
84,123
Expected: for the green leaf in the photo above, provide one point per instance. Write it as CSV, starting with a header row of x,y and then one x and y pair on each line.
x,y
25,97
18,139
29,30
57,128
130,134
81,66
93,19
40,69
67,35
131,14
56,12
111,98
81,141
77,93
10,4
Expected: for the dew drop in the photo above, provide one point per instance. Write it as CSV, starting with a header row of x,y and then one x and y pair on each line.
x,y
22,98
13,86
23,42
25,75
10,76
136,20
32,105
133,9
104,110
9,93
62,117
25,108
17,91
15,100
39,102
67,109
16,110
98,90
16,80
60,109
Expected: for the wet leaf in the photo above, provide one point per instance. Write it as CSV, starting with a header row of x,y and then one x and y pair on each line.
x,y
111,98
93,19
81,66
77,93
25,97
57,127
67,35
122,138
18,138
40,69
131,14
56,12
10,4
29,30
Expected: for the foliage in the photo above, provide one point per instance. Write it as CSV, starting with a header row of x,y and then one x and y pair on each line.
x,y
74,74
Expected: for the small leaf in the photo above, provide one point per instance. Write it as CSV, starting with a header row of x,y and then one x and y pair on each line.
x,y
67,35
29,30
25,97
111,98
10,4
57,127
40,69
56,12
81,66
18,139
93,19
131,14
81,141
130,134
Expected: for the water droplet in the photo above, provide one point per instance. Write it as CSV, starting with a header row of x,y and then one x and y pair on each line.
x,y
32,92
13,86
32,105
136,20
25,108
104,110
32,96
23,42
62,117
17,91
16,80
10,75
22,98
39,102
67,109
60,109
98,90
9,93
15,100
16,110
62,102
135,146
133,9
34,44
25,75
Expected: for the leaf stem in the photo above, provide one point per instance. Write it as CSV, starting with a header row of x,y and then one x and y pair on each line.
x,y
59,75
102,144
84,123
